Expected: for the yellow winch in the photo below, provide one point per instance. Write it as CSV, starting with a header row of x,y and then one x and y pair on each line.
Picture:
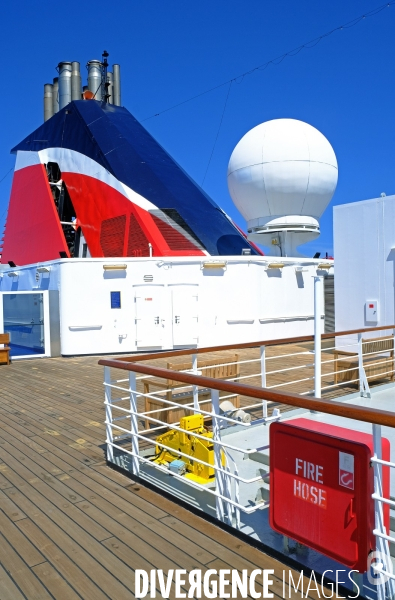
x,y
196,448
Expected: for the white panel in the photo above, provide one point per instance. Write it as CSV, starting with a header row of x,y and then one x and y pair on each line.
x,y
364,236
243,303
258,203
285,139
372,311
321,187
150,320
185,314
286,186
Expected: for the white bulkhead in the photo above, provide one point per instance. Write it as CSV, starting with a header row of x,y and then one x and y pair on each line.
x,y
128,304
364,247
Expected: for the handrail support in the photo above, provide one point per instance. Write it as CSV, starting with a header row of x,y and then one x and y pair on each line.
x,y
364,389
317,334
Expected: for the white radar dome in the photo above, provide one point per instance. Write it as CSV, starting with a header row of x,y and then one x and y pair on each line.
x,y
281,177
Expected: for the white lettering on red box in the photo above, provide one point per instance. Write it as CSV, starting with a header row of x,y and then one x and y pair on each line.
x,y
309,470
310,493
305,490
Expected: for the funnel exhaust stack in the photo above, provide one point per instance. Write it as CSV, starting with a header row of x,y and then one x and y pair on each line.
x,y
64,69
48,101
55,95
103,85
75,81
94,78
116,70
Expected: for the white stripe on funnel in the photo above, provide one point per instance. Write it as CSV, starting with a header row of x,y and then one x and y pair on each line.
x,y
70,161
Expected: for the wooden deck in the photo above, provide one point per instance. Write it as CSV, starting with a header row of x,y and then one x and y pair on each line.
x,y
70,526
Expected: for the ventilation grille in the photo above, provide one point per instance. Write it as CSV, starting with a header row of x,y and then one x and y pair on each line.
x,y
177,234
182,226
148,278
112,235
137,243
329,298
2,239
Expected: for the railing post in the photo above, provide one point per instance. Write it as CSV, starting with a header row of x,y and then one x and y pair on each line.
x,y
317,335
134,426
393,366
264,409
107,397
219,477
263,378
360,363
382,548
364,389
233,510
195,392
263,366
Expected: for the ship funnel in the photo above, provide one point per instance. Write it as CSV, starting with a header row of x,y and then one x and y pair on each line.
x,y
55,95
48,101
95,78
116,70
64,69
75,81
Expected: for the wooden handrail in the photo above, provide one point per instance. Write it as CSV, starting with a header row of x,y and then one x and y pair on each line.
x,y
277,342
349,411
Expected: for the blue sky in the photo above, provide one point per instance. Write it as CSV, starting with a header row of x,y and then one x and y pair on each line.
x,y
171,50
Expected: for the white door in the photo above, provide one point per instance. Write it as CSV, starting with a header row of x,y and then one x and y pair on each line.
x,y
185,314
150,320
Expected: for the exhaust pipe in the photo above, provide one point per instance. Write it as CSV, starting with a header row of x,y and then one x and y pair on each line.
x,y
55,95
64,69
68,86
48,101
94,78
116,70
75,81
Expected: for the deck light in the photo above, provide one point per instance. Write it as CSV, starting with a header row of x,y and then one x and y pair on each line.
x,y
13,274
214,265
115,267
275,266
43,269
324,266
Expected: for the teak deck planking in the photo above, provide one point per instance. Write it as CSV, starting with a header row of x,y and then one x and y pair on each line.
x,y
72,527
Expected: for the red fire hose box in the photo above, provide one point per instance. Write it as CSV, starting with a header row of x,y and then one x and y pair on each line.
x,y
321,486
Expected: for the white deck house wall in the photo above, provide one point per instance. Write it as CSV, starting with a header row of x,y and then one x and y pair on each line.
x,y
364,247
170,303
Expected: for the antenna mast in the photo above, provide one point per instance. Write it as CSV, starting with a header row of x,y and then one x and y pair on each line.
x,y
104,82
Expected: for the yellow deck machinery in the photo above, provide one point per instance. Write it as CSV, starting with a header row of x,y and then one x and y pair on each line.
x,y
194,447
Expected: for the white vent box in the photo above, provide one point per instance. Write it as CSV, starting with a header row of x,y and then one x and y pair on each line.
x,y
372,311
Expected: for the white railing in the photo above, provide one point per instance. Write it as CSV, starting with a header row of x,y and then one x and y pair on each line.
x,y
227,478
382,566
128,434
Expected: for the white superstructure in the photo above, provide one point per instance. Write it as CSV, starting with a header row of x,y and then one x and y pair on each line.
x,y
282,174
364,246
129,304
